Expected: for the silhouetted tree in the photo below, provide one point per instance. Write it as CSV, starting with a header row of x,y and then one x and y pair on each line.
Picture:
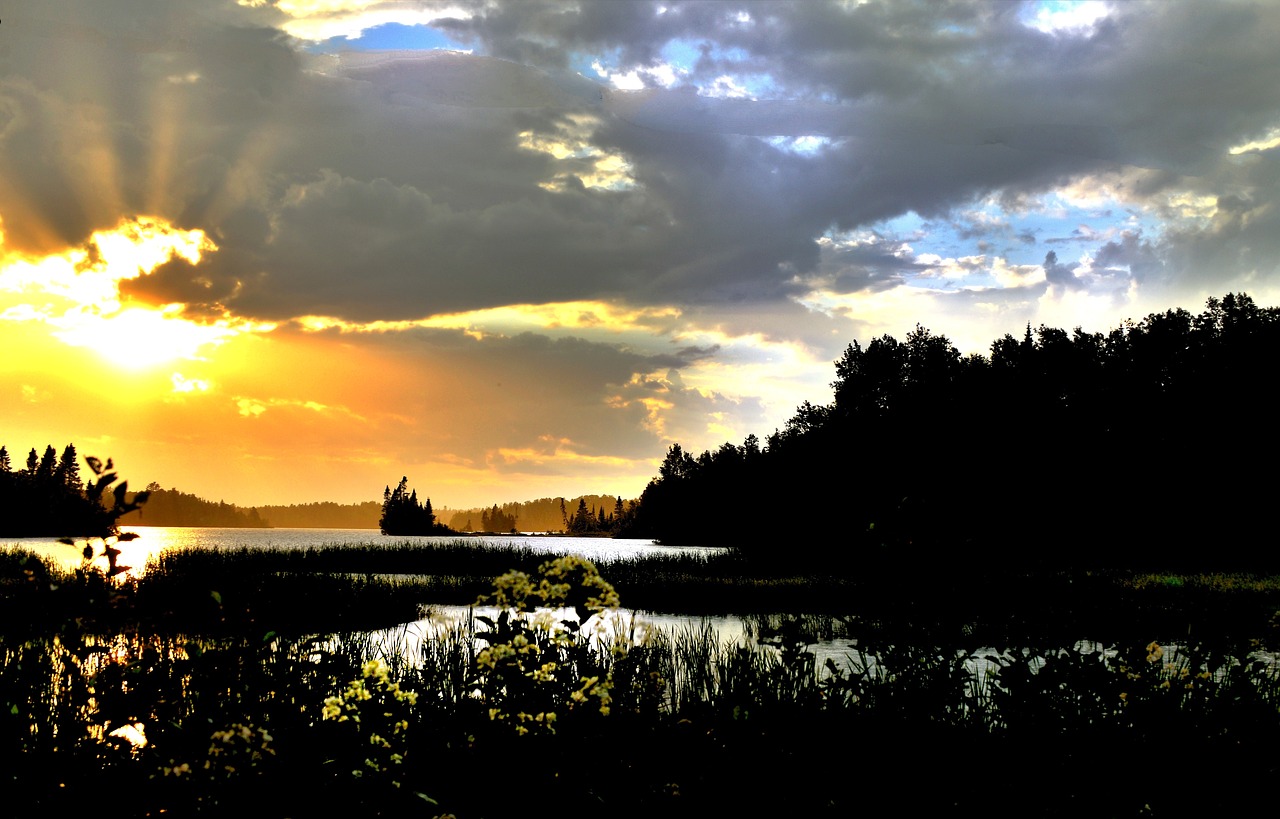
x,y
48,463
68,469
1065,448
49,499
403,514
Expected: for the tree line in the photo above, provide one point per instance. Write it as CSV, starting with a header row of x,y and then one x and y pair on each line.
x,y
49,497
1148,444
592,514
171,507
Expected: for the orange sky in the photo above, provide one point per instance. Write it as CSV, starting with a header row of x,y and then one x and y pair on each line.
x,y
322,409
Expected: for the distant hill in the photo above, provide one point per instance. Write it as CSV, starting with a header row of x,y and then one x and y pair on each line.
x,y
170,507
541,515
324,515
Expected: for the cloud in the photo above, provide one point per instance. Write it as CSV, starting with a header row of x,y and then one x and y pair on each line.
x,y
389,185
736,173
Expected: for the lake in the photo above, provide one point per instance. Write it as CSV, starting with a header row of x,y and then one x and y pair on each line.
x,y
154,539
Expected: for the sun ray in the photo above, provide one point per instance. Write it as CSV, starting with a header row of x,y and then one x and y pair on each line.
x,y
76,294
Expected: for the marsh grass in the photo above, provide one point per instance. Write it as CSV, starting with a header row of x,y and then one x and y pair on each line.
x,y
691,715
215,656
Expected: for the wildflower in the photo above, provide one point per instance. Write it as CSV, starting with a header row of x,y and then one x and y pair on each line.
x,y
1154,652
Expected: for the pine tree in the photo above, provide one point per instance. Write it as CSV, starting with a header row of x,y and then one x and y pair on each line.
x,y
48,463
5,464
67,472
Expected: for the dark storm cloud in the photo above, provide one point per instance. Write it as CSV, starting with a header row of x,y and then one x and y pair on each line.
x,y
397,188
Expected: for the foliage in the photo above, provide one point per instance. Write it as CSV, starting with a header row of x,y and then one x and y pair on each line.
x,y
49,498
169,507
279,725
536,669
404,514
592,515
1124,450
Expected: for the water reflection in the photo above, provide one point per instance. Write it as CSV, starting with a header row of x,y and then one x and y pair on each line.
x,y
152,540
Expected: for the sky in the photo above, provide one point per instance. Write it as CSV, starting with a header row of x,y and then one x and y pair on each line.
x,y
285,251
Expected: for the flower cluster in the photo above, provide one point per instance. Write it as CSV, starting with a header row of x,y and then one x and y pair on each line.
x,y
232,751
378,710
570,581
536,668
1174,679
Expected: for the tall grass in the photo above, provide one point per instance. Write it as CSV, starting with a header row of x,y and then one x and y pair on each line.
x,y
235,691
697,724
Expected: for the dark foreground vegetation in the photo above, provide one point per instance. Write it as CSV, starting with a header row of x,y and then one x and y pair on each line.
x,y
258,686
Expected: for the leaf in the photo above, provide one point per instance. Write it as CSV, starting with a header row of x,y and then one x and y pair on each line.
x,y
94,464
119,492
217,598
67,541
127,536
141,498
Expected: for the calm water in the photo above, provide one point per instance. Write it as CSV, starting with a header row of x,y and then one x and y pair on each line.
x,y
406,637
154,539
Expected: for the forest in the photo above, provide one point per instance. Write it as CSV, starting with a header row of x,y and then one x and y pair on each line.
x,y
583,515
49,496
171,507
1150,443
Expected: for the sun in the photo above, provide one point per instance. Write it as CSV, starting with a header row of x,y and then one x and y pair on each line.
x,y
137,338
76,294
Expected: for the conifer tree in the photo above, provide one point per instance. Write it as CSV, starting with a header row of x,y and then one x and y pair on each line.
x,y
67,472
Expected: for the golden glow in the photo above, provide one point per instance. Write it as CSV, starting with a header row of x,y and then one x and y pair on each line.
x,y
571,147
560,451
77,293
182,384
515,318
253,407
1269,141
323,19
137,338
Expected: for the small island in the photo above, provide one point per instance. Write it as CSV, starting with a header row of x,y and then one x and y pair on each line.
x,y
404,514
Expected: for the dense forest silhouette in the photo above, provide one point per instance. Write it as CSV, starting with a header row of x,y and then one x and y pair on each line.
x,y
49,498
1150,444
169,507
